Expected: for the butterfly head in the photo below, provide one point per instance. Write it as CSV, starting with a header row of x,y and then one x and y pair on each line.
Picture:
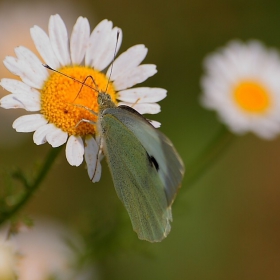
x,y
104,101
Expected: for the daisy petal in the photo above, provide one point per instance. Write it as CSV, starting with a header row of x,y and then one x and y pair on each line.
x,y
16,86
39,136
98,42
11,64
79,40
135,76
29,102
56,137
148,108
127,61
29,123
33,62
18,67
59,39
43,46
155,124
75,150
92,151
23,96
142,95
10,102
109,49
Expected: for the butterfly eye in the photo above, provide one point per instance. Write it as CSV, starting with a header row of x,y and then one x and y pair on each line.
x,y
100,100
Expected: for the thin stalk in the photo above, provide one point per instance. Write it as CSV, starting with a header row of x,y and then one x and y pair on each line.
x,y
209,155
31,188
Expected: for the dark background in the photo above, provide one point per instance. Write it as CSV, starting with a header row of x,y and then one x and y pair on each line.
x,y
227,224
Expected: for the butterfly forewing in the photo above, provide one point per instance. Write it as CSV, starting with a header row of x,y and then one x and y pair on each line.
x,y
170,166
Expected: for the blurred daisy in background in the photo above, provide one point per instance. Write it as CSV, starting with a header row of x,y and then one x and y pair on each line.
x,y
8,258
55,95
242,83
42,252
19,14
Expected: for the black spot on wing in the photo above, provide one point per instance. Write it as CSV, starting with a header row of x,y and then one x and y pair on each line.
x,y
153,161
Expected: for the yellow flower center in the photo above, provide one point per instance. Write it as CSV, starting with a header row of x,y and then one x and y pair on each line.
x,y
252,97
62,98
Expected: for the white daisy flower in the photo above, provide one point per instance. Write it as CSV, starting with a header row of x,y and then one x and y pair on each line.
x,y
55,95
21,16
242,83
47,250
45,253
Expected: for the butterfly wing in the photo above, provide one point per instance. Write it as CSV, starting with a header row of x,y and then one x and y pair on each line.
x,y
170,166
136,178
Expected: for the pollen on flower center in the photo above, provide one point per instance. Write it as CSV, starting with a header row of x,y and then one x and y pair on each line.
x,y
62,98
252,97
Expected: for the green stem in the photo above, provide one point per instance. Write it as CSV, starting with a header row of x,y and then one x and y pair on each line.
x,y
209,155
33,186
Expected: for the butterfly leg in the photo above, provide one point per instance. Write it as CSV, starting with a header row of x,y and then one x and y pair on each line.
x,y
93,156
97,171
85,107
86,121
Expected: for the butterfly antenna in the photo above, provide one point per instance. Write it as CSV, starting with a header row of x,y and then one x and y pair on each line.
x,y
115,52
82,83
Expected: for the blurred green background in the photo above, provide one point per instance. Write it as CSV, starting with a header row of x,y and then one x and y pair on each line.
x,y
227,224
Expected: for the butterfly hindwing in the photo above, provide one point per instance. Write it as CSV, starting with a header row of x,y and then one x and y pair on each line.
x,y
136,179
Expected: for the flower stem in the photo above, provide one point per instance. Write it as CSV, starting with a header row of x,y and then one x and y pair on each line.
x,y
30,188
209,155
